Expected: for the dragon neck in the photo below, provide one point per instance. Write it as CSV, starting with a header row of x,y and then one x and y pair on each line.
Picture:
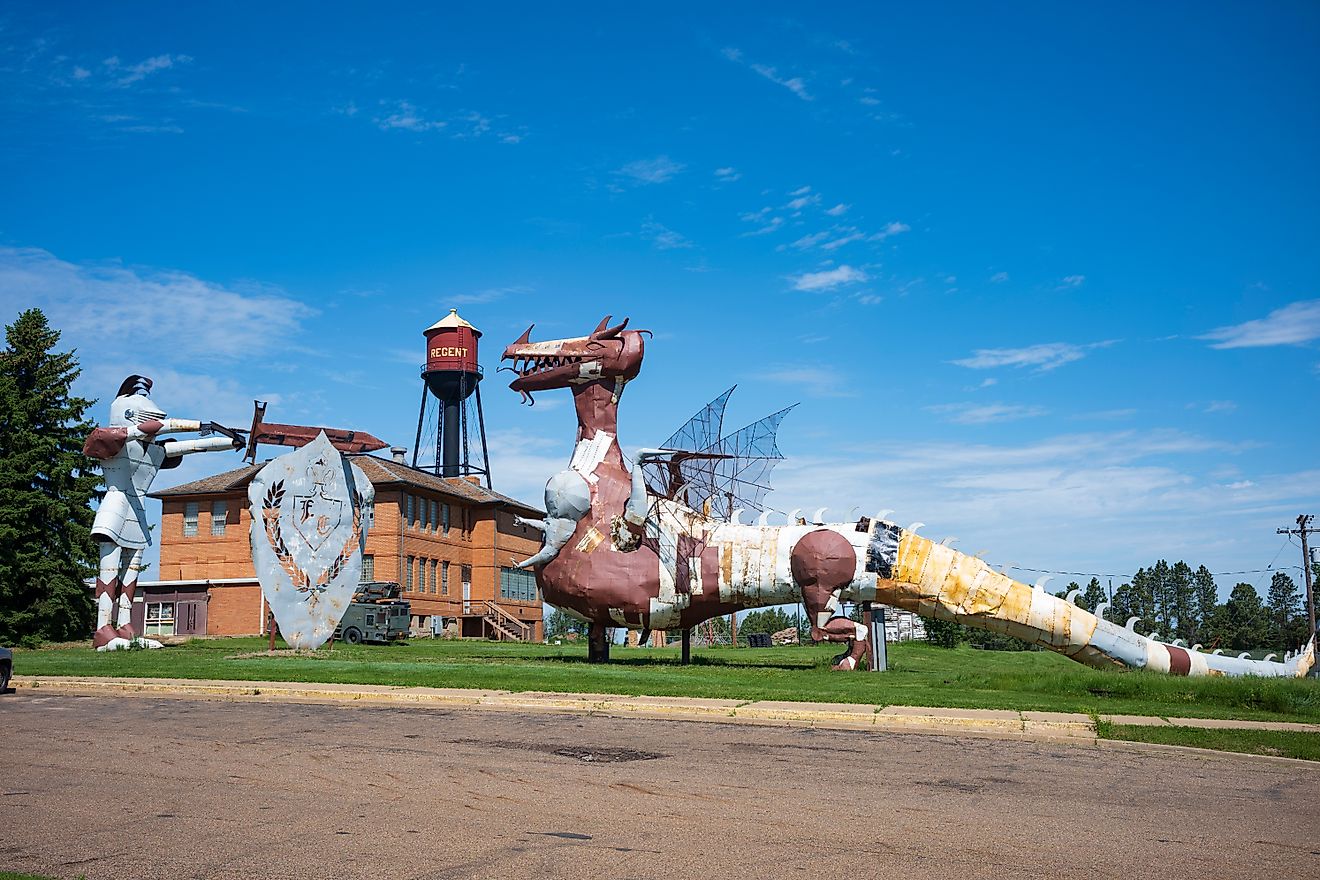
x,y
597,405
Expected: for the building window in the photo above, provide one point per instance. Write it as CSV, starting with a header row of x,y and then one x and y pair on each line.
x,y
424,514
407,576
368,567
160,619
444,518
435,519
517,585
219,517
465,572
190,519
408,517
433,568
444,579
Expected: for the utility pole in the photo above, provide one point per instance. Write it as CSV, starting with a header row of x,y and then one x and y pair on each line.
x,y
1303,529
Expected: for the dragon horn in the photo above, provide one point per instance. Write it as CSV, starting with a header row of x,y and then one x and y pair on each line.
x,y
605,331
526,337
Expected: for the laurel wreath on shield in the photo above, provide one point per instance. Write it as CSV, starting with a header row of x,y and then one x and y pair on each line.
x,y
302,582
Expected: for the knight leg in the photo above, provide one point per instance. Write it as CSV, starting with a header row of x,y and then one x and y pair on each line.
x,y
128,576
823,563
107,591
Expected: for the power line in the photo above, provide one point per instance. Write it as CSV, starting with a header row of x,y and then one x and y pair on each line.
x,y
1129,576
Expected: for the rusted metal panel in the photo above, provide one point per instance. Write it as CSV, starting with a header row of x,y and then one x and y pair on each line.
x,y
311,510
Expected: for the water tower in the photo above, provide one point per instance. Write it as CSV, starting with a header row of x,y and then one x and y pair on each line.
x,y
451,381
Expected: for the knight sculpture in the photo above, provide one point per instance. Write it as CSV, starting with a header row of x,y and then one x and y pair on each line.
x,y
668,552
131,456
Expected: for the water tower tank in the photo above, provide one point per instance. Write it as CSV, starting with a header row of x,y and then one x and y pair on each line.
x,y
451,375
452,367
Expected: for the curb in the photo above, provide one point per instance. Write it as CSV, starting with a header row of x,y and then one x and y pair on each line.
x,y
992,723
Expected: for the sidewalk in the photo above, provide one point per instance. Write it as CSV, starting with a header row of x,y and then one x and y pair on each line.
x,y
851,716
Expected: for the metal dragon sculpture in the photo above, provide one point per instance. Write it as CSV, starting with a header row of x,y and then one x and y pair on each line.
x,y
660,546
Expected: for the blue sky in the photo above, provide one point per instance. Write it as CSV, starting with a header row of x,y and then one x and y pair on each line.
x,y
1044,278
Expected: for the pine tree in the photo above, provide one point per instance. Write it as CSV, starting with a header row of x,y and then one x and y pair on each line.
x,y
1093,597
46,488
1287,629
1243,621
1207,600
1163,614
1183,593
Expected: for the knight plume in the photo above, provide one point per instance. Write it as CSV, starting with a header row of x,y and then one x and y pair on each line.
x,y
660,545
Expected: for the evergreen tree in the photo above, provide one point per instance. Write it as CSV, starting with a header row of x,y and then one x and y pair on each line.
x,y
1243,623
1183,593
559,624
1287,628
1207,600
1162,616
945,633
1094,595
1122,605
46,488
766,620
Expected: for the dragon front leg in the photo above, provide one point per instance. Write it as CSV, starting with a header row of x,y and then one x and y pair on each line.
x,y
823,563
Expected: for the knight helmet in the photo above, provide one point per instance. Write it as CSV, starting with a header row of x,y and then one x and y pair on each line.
x,y
133,405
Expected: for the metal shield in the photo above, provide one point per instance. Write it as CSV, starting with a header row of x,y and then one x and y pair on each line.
x,y
310,512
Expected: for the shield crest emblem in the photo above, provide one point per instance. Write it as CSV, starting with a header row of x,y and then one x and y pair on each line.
x,y
311,510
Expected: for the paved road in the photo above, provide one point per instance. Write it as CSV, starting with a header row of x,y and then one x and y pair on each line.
x,y
244,790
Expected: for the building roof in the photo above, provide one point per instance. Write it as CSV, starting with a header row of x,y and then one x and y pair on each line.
x,y
452,320
381,472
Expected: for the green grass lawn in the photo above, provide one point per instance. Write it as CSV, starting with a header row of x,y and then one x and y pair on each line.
x,y
920,675
1283,743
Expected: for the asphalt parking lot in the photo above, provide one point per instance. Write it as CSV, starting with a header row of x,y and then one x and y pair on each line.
x,y
176,788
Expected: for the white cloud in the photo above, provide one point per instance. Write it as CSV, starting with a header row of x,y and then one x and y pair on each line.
x,y
647,171
664,238
800,191
999,278
794,84
986,413
1108,501
838,210
846,238
1046,356
1217,406
727,175
156,309
801,202
812,381
405,116
1293,324
1071,281
126,76
891,229
488,295
828,278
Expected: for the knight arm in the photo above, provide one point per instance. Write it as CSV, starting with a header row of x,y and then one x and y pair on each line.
x,y
227,439
537,524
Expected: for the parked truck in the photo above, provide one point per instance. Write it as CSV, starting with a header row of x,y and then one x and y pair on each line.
x,y
377,615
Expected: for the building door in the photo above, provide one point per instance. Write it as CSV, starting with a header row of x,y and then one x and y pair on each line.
x,y
190,618
467,589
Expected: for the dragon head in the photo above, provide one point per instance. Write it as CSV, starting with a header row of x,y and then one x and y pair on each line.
x,y
609,353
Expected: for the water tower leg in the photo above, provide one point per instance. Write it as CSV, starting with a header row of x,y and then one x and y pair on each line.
x,y
421,416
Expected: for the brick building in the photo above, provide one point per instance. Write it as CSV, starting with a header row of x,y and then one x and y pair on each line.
x,y
448,541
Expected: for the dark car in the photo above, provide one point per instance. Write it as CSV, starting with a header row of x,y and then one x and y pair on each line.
x,y
6,668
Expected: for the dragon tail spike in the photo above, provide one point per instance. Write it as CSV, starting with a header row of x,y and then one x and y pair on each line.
x,y
1039,586
949,541
818,518
914,526
764,519
1071,598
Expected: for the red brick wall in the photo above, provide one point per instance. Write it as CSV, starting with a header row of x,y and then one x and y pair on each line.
x,y
234,610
